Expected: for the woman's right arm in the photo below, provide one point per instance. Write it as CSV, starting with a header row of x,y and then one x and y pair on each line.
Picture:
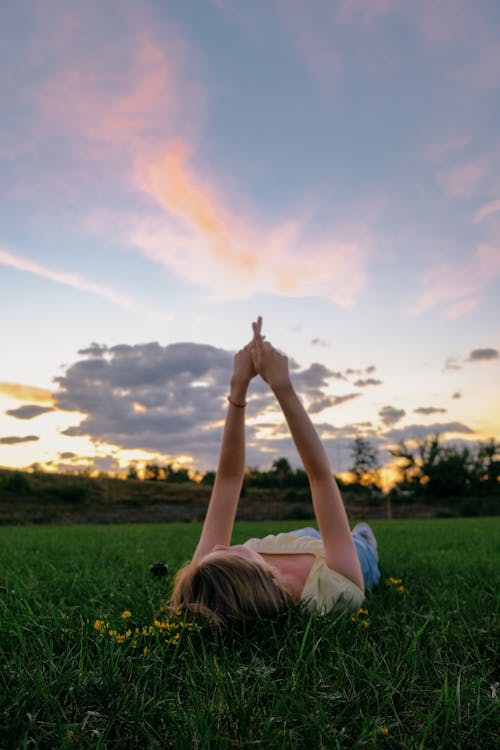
x,y
340,552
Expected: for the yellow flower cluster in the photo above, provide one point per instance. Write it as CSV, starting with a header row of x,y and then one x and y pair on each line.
x,y
397,583
361,617
169,632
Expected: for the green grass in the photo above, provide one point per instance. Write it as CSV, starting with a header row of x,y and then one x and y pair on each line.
x,y
421,675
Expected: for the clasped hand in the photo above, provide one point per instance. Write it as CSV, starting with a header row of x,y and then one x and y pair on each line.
x,y
259,357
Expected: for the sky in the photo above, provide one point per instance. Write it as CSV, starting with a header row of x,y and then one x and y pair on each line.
x,y
169,171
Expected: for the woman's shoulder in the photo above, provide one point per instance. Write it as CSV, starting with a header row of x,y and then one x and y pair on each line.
x,y
286,542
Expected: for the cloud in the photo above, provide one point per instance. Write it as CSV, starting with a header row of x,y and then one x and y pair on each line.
x,y
463,180
488,209
29,411
357,371
419,431
27,393
236,256
457,284
429,410
326,402
171,399
390,415
452,364
11,260
362,383
319,342
14,440
477,355
133,103
110,92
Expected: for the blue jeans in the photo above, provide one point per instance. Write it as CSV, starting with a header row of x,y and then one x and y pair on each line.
x,y
368,555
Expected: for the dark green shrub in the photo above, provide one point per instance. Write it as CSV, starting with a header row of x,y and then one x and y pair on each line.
x,y
72,492
17,482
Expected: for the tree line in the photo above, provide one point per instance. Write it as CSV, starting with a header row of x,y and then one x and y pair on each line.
x,y
425,469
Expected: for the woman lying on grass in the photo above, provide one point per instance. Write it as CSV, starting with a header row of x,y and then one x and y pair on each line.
x,y
231,585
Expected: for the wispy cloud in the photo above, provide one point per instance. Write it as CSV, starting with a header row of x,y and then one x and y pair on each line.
x,y
7,258
493,207
229,254
122,104
458,284
463,180
27,393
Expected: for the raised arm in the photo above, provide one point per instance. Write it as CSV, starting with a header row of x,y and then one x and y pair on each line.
x,y
219,521
329,509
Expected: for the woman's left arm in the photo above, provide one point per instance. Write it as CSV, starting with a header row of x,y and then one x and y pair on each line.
x,y
219,521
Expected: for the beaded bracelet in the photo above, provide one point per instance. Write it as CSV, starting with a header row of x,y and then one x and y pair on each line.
x,y
240,406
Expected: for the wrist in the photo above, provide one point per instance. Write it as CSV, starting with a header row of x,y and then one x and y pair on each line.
x,y
283,388
238,390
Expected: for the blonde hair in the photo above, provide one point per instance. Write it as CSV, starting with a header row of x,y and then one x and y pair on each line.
x,y
228,591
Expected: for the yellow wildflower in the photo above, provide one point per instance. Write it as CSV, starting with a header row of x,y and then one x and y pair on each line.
x,y
145,650
384,731
126,614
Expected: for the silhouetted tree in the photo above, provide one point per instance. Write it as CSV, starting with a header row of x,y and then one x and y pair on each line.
x,y
132,472
282,468
208,478
176,476
365,461
152,472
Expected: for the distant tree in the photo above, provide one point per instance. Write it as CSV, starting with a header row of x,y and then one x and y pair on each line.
x,y
365,461
152,472
176,476
132,472
409,470
208,478
488,464
282,468
447,471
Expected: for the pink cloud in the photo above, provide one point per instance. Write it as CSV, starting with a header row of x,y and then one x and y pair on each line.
x,y
93,89
457,309
228,254
458,285
488,209
447,145
458,32
463,179
117,104
115,99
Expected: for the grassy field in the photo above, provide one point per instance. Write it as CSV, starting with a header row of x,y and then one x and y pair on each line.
x,y
415,670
